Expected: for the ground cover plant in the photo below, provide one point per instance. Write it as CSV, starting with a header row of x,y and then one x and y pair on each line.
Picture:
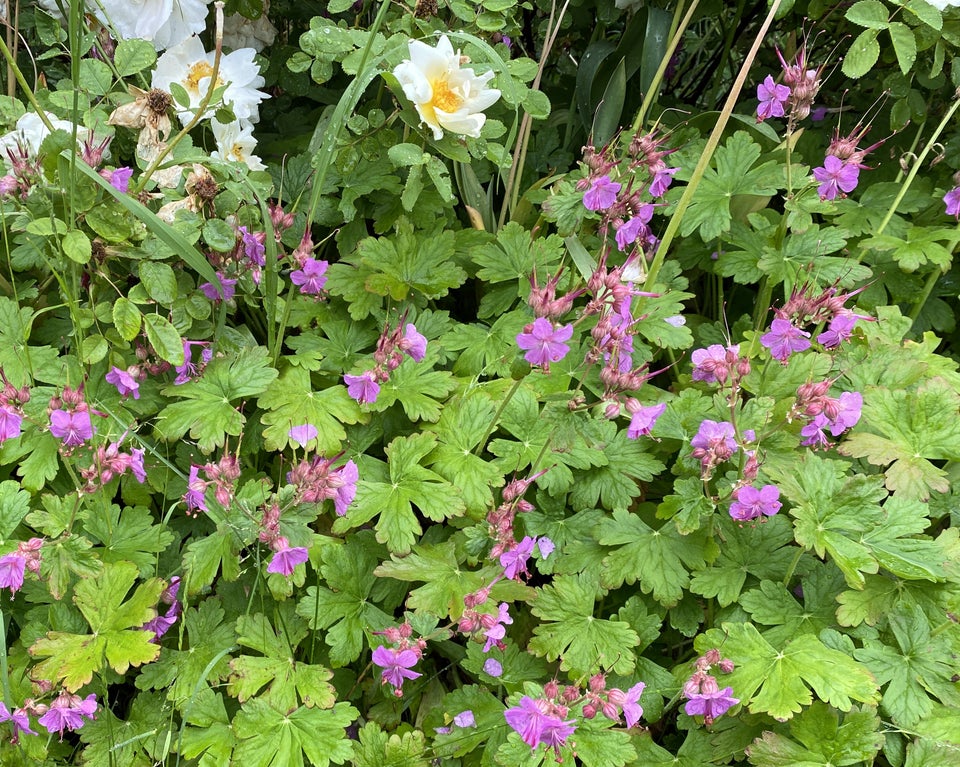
x,y
480,383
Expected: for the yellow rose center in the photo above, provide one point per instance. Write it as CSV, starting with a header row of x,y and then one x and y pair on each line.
x,y
444,97
198,72
236,152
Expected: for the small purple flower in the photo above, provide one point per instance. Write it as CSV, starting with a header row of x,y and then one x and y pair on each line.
x,y
465,719
137,468
772,99
839,330
19,720
188,370
714,443
229,288
495,633
712,365
125,383
643,419
629,701
952,200
545,546
849,405
10,423
346,480
311,277
162,623
253,247
302,434
413,343
814,433
493,667
286,559
661,181
363,388
628,233
544,343
601,194
67,712
710,704
120,179
73,426
514,561
196,490
534,721
751,503
783,339
12,568
836,176
396,665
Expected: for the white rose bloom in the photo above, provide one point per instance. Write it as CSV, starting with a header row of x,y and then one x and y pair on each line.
x,y
191,67
235,143
446,96
241,32
165,23
30,133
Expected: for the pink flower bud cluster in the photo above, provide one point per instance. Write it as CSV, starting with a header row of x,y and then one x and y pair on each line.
x,y
398,660
826,414
713,444
316,480
222,474
720,365
500,520
110,462
613,702
490,628
13,566
285,557
391,346
26,171
544,300
703,694
12,401
67,712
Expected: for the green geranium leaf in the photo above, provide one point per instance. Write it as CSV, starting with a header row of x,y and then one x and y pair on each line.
x,y
571,633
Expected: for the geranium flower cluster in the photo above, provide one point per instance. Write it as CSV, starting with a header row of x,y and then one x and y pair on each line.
x,y
795,97
807,308
391,346
542,721
720,365
840,172
490,628
70,417
613,702
703,693
500,520
285,557
316,480
12,401
67,712
14,566
835,415
398,660
110,462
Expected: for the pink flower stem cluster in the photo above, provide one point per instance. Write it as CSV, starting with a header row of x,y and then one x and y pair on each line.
x,y
713,444
316,480
613,702
285,557
391,346
398,660
70,417
500,520
720,365
67,712
703,694
26,172
542,721
19,720
544,300
13,566
490,628
311,274
12,401
110,462
222,474
804,84
825,413
840,172
163,623
808,307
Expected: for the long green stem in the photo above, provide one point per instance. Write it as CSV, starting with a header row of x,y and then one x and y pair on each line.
x,y
932,279
712,143
27,90
512,191
496,416
931,142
